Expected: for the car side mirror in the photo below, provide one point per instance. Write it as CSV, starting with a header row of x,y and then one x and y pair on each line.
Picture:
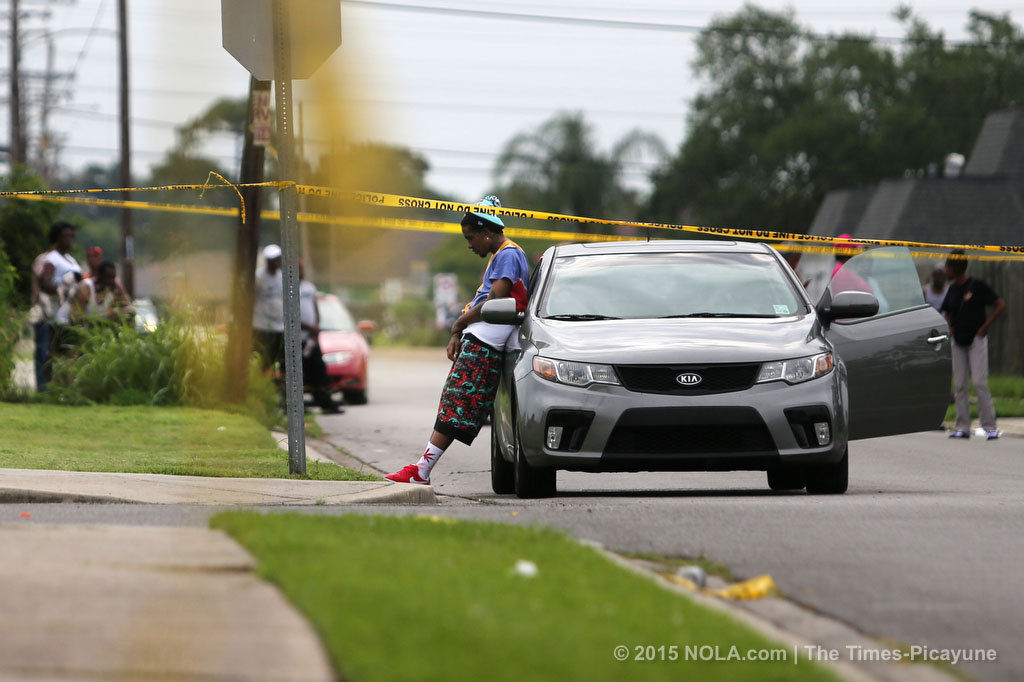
x,y
847,305
501,311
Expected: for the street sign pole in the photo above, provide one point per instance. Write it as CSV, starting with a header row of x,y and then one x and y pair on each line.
x,y
282,40
289,236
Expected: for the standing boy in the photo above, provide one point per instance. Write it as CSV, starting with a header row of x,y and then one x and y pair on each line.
x,y
965,309
476,347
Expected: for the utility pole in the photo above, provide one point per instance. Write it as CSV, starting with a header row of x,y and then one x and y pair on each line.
x,y
17,145
46,141
127,238
247,241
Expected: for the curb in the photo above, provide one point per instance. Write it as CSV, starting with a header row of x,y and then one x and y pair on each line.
x,y
31,496
791,624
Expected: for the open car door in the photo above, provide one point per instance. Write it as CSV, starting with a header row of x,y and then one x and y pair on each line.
x,y
898,361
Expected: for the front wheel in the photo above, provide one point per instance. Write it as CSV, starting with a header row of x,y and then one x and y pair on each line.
x,y
531,482
502,473
355,397
829,479
784,477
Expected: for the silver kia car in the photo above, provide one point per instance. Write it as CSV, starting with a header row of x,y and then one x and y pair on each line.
x,y
710,356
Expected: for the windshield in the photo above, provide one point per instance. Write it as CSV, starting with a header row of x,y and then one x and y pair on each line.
x,y
653,285
334,317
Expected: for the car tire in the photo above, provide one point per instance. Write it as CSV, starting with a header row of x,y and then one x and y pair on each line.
x,y
531,482
784,477
355,397
502,472
829,479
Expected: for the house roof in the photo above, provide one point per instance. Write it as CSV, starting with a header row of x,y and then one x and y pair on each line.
x,y
841,211
999,149
984,206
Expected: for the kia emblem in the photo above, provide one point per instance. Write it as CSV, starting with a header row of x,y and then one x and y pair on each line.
x,y
689,379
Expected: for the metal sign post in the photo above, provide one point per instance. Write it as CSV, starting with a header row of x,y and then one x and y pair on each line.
x,y
289,238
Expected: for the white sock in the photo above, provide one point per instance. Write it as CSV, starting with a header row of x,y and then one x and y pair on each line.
x,y
428,460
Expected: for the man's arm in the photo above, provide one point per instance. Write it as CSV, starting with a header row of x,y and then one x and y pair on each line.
x,y
998,309
46,279
314,328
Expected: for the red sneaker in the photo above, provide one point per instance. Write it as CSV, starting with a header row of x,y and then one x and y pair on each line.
x,y
410,473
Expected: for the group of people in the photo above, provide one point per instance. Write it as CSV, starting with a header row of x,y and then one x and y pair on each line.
x,y
268,327
64,296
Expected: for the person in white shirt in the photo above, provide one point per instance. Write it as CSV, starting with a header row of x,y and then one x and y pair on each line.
x,y
58,277
476,348
935,290
268,309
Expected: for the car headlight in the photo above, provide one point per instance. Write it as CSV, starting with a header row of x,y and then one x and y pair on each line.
x,y
797,370
574,373
338,357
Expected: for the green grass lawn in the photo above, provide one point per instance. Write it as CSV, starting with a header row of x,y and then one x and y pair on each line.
x,y
1007,396
154,440
400,598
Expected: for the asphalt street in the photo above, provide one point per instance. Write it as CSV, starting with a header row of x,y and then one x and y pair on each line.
x,y
925,548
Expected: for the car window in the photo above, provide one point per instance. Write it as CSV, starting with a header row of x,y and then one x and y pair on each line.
x,y
334,317
651,285
887,272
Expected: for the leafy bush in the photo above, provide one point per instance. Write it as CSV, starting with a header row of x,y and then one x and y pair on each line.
x,y
10,323
180,363
411,322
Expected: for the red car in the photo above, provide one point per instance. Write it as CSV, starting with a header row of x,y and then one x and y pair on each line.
x,y
344,348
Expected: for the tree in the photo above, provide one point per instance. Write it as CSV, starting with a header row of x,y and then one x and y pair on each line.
x,y
558,168
786,117
161,234
23,228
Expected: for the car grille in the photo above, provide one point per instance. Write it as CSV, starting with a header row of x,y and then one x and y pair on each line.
x,y
690,431
719,378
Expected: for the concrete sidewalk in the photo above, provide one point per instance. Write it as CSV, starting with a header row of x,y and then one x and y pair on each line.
x,y
1010,426
143,603
41,485
38,485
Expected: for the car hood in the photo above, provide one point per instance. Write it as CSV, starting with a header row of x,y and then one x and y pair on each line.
x,y
678,341
332,341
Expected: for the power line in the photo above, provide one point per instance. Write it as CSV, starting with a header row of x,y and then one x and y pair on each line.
x,y
88,37
649,25
140,152
152,122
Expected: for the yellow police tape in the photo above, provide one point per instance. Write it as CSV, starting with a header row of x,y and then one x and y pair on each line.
x,y
796,242
400,201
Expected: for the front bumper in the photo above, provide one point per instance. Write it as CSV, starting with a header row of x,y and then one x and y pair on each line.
x,y
347,376
752,429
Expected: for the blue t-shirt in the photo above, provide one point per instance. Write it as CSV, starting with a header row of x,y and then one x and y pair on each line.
x,y
508,263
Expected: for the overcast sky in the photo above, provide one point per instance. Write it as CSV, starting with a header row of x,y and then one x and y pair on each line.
x,y
454,87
